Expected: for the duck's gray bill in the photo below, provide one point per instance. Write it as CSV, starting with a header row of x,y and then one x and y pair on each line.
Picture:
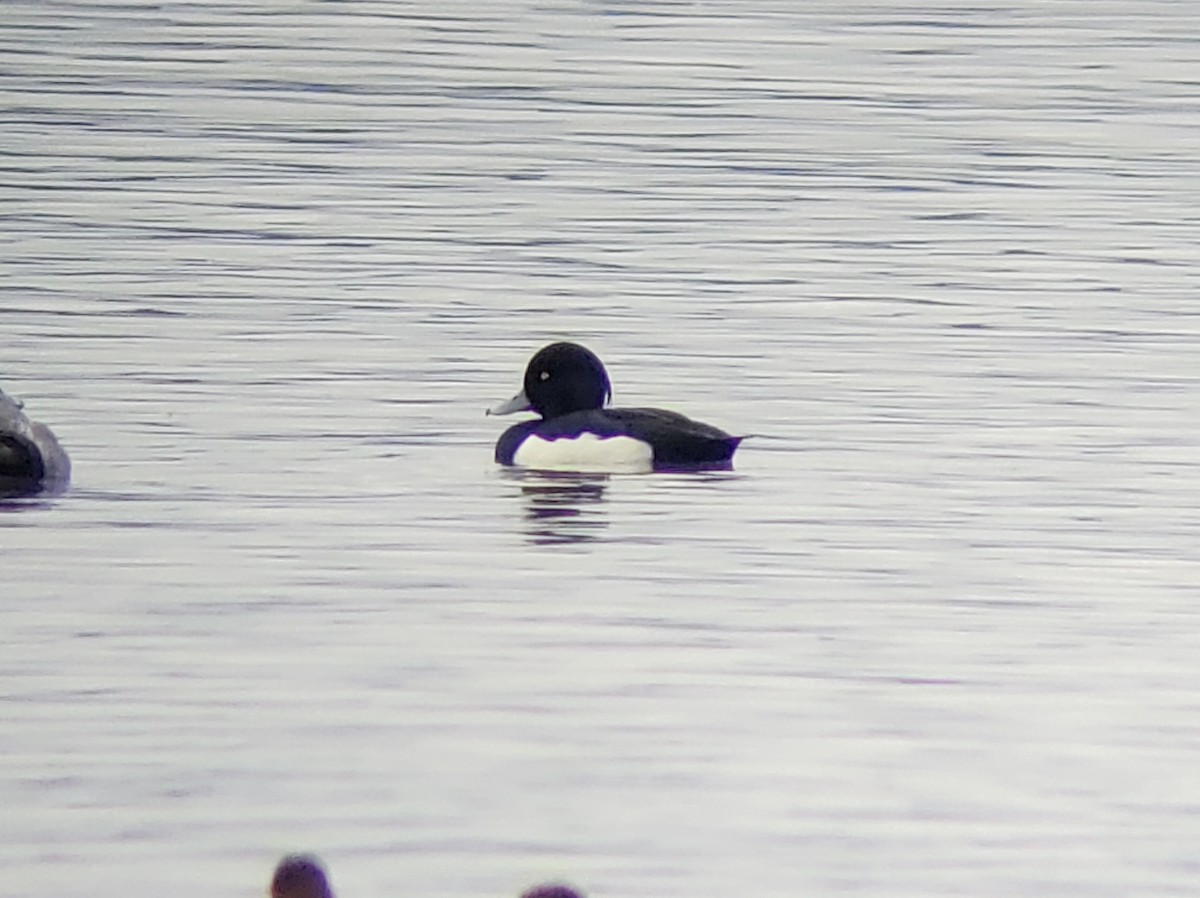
x,y
519,403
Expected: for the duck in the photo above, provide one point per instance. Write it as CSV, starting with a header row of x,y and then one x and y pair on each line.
x,y
552,890
31,458
304,876
300,876
568,387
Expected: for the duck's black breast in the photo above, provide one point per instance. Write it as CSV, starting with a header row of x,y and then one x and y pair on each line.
x,y
510,441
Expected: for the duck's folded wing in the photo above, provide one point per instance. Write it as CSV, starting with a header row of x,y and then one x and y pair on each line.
x,y
677,439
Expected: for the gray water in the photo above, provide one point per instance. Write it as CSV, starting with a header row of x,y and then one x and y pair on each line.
x,y
264,266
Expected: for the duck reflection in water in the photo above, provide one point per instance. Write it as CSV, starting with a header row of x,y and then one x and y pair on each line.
x,y
303,876
562,507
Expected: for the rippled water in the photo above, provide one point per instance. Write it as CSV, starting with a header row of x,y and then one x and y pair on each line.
x,y
937,634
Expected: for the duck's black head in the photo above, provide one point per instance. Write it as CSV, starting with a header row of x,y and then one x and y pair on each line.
x,y
565,378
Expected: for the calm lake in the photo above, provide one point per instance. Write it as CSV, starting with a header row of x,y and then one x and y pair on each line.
x,y
937,633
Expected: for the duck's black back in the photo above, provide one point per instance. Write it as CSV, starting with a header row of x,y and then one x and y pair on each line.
x,y
677,440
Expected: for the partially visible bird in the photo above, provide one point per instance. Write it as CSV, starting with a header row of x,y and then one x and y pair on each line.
x,y
30,457
300,876
552,890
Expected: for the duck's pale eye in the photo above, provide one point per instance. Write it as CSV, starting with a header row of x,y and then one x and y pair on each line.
x,y
545,375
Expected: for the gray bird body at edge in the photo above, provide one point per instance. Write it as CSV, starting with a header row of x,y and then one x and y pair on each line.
x,y
31,458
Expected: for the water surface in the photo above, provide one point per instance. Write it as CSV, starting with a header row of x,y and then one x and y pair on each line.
x,y
935,635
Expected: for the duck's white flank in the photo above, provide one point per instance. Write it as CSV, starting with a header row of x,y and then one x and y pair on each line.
x,y
586,453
